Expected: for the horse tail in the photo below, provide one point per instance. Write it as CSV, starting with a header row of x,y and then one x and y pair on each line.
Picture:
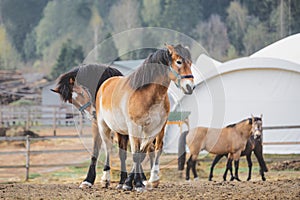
x,y
181,150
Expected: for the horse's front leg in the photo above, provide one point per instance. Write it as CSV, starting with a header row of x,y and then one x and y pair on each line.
x,y
259,155
136,172
249,161
216,160
154,177
236,158
91,175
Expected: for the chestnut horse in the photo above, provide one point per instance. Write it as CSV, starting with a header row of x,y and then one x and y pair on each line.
x,y
138,106
230,140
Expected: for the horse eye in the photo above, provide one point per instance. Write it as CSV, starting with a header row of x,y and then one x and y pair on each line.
x,y
179,62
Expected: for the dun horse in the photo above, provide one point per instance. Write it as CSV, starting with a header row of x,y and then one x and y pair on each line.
x,y
254,145
230,140
138,106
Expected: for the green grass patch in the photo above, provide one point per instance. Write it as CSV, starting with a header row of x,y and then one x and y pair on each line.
x,y
34,175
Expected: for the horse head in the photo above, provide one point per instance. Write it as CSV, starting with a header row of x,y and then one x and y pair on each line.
x,y
72,92
82,100
180,68
256,126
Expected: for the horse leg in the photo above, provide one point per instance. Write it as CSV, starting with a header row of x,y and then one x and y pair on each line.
x,y
236,166
215,161
136,171
123,142
91,175
228,167
194,162
154,177
105,134
188,167
259,155
248,156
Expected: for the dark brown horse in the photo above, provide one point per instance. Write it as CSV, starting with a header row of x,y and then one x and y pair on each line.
x,y
91,78
230,140
253,145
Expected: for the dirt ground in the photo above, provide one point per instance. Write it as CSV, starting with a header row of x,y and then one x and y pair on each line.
x,y
283,179
274,189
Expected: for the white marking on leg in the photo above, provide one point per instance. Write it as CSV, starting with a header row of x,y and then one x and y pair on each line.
x,y
85,184
154,173
106,176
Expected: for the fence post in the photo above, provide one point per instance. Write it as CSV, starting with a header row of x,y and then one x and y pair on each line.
x,y
54,122
28,119
27,157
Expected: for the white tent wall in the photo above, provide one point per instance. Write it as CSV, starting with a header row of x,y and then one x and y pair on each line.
x,y
247,86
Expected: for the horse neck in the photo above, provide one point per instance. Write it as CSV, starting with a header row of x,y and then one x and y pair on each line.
x,y
158,90
244,128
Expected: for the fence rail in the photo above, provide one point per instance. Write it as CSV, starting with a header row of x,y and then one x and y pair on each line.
x,y
56,116
37,116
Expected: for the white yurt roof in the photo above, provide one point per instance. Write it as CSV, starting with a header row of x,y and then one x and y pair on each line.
x,y
286,49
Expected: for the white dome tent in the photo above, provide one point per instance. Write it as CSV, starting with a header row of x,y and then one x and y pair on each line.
x,y
263,83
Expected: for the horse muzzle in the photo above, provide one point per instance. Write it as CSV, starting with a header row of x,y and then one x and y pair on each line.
x,y
187,87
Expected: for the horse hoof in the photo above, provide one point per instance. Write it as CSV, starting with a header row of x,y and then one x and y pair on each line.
x,y
105,184
85,184
119,186
196,179
155,184
238,179
148,186
127,187
263,178
140,189
232,179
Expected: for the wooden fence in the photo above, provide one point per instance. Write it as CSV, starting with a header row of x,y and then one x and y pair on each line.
x,y
38,116
29,152
56,116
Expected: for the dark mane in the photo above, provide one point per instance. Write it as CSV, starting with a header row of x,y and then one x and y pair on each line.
x,y
249,119
155,65
64,87
101,72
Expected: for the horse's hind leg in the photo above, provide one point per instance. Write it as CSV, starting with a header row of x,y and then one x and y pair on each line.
x,y
188,167
236,166
123,142
91,175
105,134
194,162
228,167
216,160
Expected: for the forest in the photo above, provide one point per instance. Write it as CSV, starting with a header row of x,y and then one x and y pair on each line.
x,y
51,36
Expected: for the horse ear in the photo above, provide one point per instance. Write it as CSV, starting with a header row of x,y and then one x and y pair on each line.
x,y
261,115
170,48
252,117
55,90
